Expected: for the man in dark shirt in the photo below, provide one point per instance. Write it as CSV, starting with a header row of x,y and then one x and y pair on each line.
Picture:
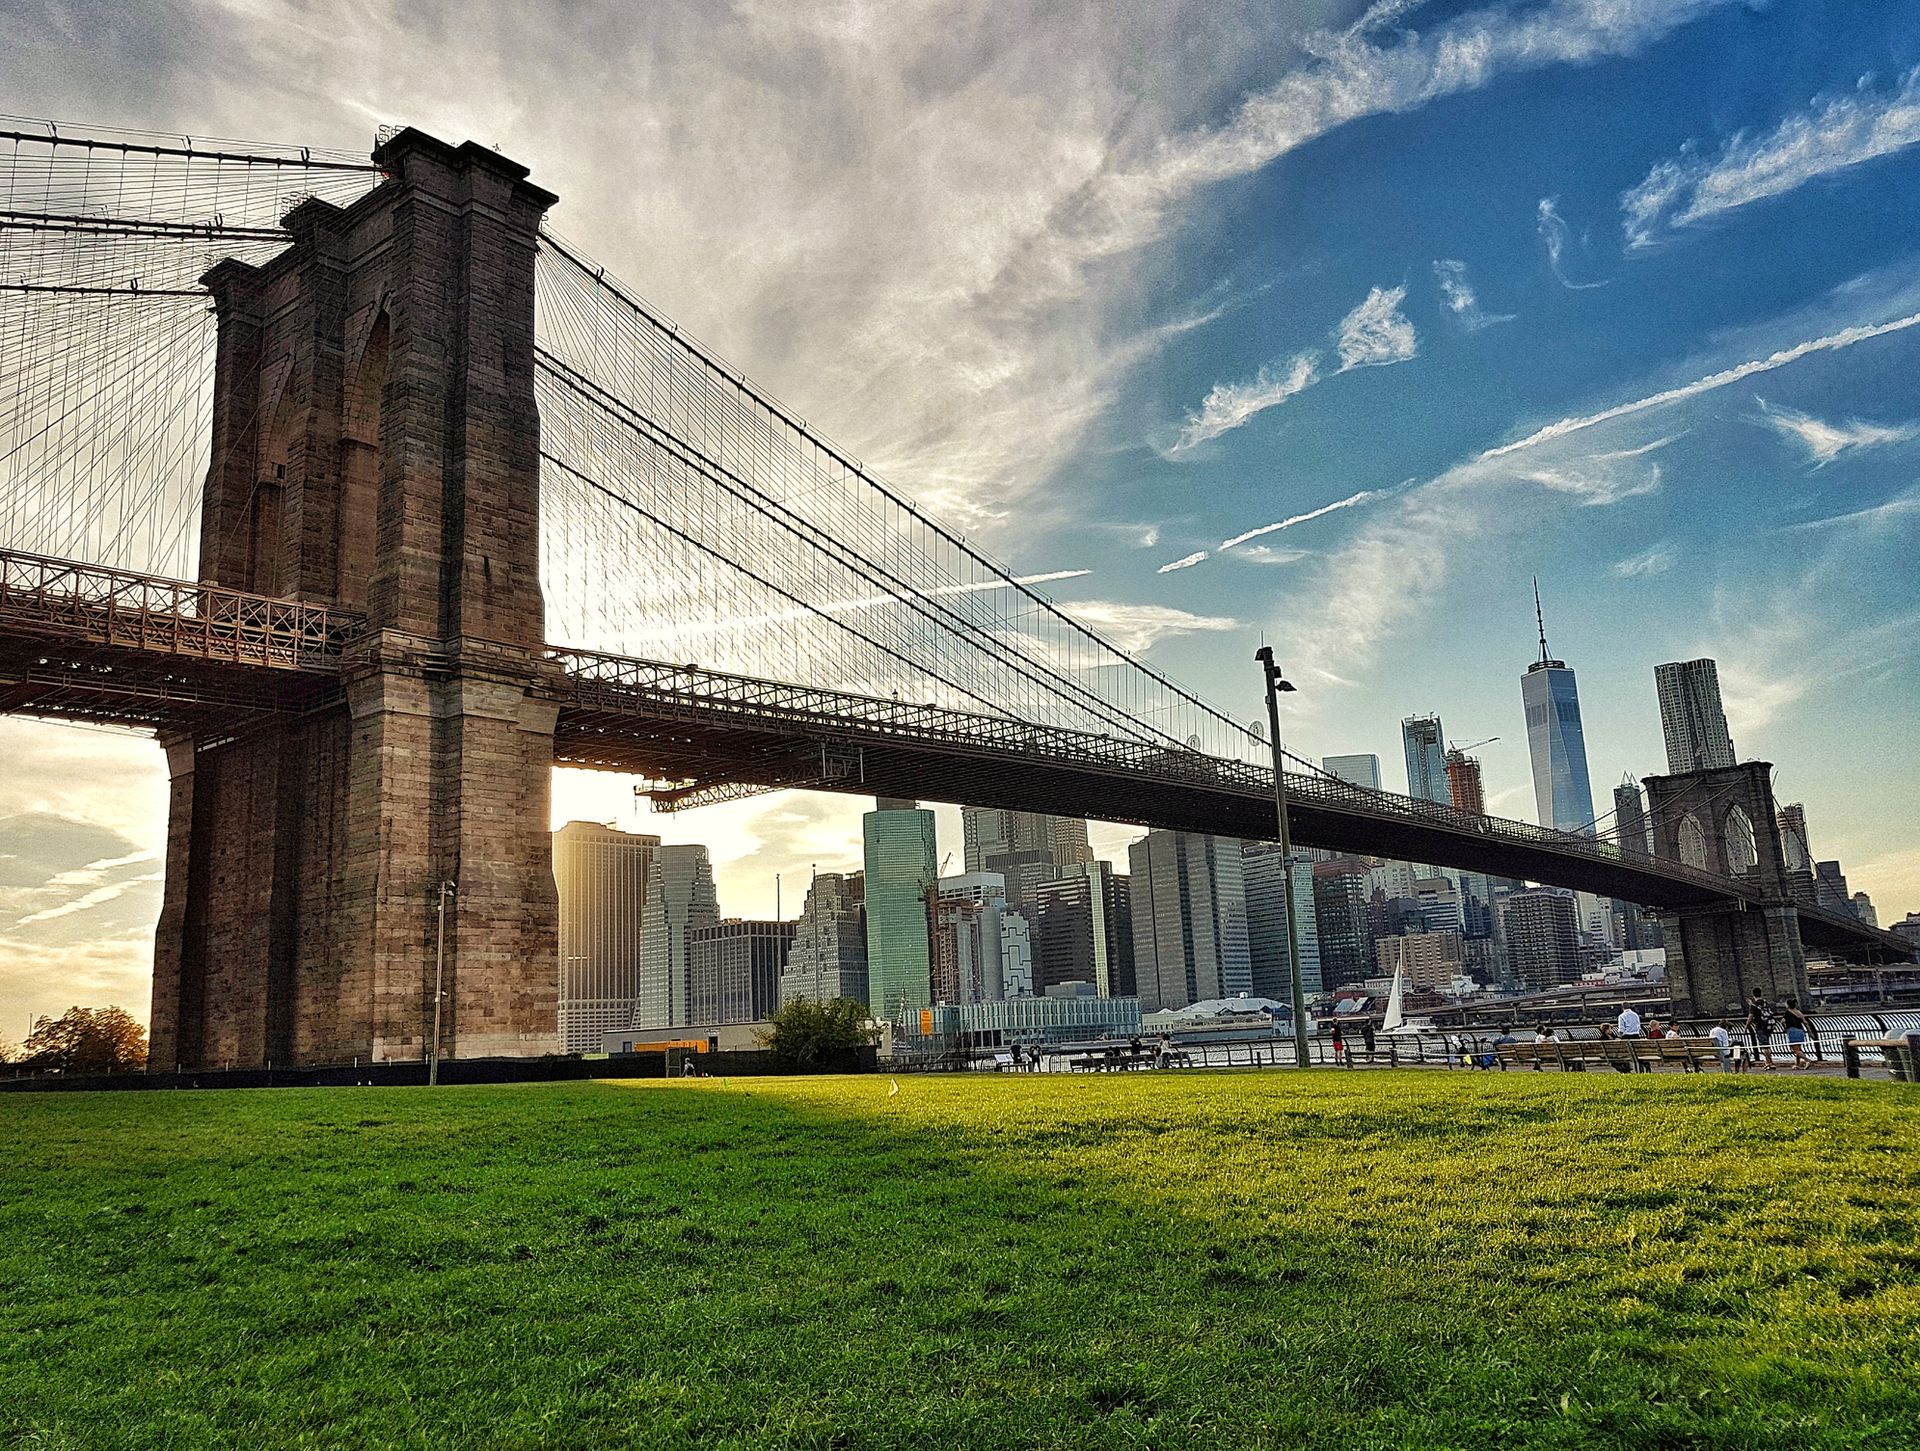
x,y
1760,1028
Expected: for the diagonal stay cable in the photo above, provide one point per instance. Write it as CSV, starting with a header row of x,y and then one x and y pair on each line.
x,y
598,277
935,613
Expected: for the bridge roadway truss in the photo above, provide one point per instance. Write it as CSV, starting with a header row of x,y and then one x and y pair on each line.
x,y
82,642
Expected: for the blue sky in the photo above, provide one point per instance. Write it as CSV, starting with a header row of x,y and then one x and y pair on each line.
x,y
1615,292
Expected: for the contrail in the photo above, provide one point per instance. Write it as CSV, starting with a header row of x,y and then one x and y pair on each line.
x,y
1347,503
1846,338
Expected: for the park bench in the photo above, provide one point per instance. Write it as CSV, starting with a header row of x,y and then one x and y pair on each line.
x,y
1694,1055
1899,1054
1526,1055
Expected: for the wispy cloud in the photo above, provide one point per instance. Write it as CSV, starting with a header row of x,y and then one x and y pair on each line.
x,y
1900,506
1656,559
1184,562
1400,558
1832,342
1138,627
1824,441
1228,405
1462,302
1558,237
1376,332
1265,554
1382,15
86,901
1833,134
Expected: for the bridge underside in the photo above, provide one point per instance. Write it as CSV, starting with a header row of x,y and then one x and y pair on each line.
x,y
675,725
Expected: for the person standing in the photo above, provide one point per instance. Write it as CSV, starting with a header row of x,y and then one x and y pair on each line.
x,y
1366,1037
1799,1029
1339,1046
1760,1029
1723,1045
1628,1024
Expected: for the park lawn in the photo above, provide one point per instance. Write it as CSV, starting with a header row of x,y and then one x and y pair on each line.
x,y
1166,1260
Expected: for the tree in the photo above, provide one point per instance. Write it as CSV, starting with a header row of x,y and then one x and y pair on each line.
x,y
86,1040
820,1037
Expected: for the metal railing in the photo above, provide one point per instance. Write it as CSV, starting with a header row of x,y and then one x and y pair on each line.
x,y
114,607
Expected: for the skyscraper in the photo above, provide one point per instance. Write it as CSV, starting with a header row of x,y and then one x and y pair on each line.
x,y
1630,819
900,861
828,958
1189,919
734,967
1356,770
601,875
1561,793
1068,837
1795,853
1342,921
1083,926
988,832
1264,869
967,914
1543,937
1464,784
1691,716
1426,759
680,901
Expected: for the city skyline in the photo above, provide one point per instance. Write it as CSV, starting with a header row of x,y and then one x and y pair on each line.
x,y
1595,355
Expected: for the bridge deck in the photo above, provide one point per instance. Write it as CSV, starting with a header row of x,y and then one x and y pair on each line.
x,y
82,643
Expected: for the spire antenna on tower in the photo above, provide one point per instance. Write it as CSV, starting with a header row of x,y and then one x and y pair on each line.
x,y
1540,619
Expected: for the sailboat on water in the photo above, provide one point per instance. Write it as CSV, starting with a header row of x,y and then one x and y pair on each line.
x,y
1396,1020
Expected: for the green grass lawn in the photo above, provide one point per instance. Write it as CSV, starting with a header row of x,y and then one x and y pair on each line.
x,y
1372,1259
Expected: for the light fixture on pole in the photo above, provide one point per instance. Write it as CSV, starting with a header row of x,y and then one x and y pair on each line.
x,y
1277,682
439,981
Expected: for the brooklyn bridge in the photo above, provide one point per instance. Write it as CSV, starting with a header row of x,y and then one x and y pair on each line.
x,y
371,499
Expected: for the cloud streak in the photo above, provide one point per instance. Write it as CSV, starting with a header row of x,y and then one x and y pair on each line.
x,y
1377,333
1833,134
1365,496
1832,342
1556,236
1229,405
1824,441
1463,304
1138,627
1656,559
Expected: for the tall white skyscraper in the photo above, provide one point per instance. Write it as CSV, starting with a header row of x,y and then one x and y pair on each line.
x,y
1691,716
680,900
1562,794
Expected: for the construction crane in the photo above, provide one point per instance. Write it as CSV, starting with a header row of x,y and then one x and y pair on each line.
x,y
1460,750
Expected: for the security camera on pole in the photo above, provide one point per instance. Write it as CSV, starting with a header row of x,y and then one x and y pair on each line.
x,y
1276,682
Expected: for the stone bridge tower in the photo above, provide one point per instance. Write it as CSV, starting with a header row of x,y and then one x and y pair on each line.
x,y
376,446
1723,820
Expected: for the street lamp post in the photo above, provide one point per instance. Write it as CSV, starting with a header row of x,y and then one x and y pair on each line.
x,y
439,979
1276,683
